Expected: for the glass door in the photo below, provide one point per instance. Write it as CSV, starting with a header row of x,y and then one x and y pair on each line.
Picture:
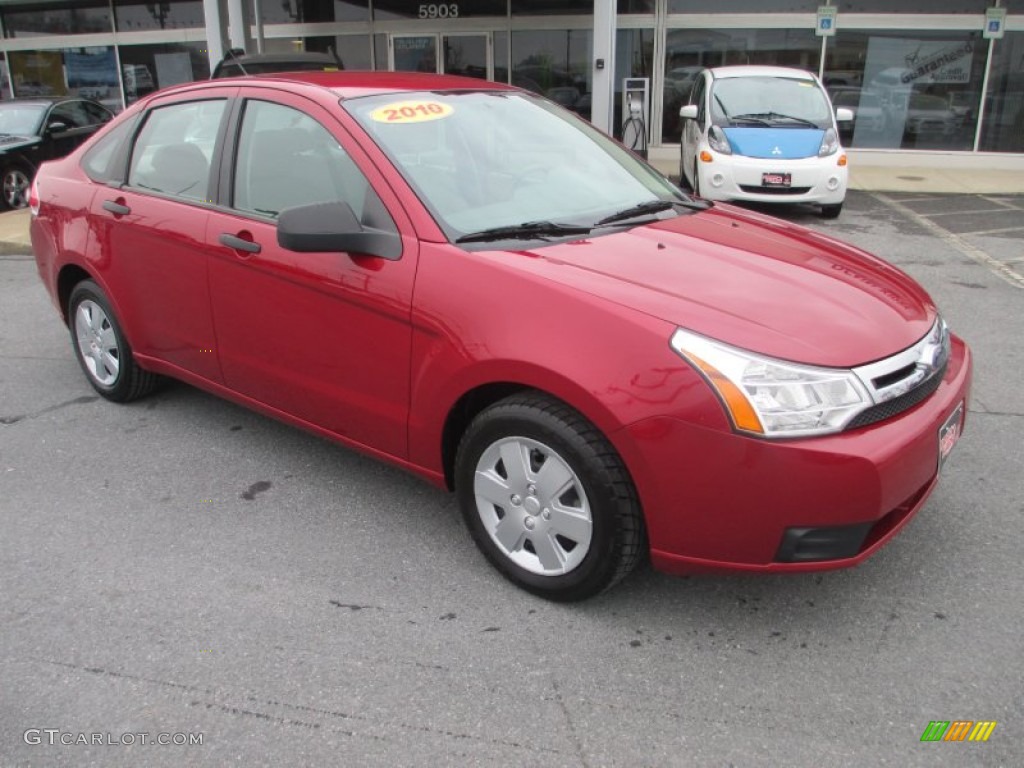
x,y
468,55
414,53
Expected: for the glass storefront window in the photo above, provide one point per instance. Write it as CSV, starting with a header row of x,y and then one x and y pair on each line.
x,y
634,57
87,72
146,68
552,7
688,51
635,6
914,6
909,89
432,11
56,18
743,6
555,63
308,11
1002,129
352,50
132,16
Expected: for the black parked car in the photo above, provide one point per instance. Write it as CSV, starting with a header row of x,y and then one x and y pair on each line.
x,y
35,130
237,63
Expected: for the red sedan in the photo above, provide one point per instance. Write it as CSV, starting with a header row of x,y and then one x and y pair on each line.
x,y
467,280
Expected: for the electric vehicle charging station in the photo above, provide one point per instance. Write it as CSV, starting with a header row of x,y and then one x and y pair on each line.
x,y
636,113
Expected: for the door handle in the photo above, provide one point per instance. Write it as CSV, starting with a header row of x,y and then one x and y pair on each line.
x,y
116,208
237,243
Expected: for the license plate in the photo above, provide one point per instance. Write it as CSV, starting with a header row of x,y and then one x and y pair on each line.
x,y
776,179
949,433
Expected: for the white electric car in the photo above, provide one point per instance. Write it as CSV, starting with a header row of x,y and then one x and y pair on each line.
x,y
765,134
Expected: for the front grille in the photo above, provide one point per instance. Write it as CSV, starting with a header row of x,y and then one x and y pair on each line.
x,y
774,190
898,405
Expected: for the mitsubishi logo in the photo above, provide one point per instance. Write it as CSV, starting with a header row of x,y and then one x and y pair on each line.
x,y
776,151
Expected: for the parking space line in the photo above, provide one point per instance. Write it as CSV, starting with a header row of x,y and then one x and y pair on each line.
x,y
972,252
961,213
992,231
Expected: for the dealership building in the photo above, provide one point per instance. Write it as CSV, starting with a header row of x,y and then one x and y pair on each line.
x,y
930,81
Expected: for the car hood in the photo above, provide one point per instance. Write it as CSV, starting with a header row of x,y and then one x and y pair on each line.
x,y
751,281
775,143
13,141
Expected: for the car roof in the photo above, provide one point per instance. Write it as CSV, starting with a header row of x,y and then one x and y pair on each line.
x,y
41,101
753,70
352,83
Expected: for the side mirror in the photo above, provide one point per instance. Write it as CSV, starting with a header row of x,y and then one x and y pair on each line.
x,y
689,112
56,126
333,227
844,115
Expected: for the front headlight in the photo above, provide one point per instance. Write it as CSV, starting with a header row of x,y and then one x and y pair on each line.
x,y
829,143
775,398
718,141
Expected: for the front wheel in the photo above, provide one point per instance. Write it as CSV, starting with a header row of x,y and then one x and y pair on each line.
x,y
696,180
15,187
102,349
831,211
547,498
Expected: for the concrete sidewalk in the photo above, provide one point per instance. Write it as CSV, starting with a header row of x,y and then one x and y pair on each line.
x,y
866,174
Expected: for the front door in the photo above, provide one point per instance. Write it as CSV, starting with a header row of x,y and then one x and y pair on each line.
x,y
323,337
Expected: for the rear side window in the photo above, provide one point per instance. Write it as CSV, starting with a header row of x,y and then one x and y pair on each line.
x,y
174,149
102,162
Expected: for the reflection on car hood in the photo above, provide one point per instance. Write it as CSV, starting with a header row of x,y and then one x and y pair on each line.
x,y
775,143
751,281
9,141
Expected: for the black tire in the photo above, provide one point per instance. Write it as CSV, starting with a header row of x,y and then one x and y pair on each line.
x,y
831,211
588,479
102,349
14,185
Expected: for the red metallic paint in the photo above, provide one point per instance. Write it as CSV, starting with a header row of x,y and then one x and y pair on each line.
x,y
375,354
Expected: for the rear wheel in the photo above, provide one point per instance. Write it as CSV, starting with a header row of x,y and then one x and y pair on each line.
x,y
547,498
15,187
102,349
831,211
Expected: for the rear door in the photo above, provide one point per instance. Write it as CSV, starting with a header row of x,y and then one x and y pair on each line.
x,y
151,231
324,337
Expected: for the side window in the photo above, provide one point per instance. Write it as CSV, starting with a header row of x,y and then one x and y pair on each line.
x,y
100,161
285,158
173,150
94,113
697,97
69,113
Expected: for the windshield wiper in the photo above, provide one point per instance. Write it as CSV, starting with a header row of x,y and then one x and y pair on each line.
x,y
776,116
748,119
652,206
524,231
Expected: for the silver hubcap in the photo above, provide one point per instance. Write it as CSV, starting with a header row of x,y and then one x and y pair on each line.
x,y
97,343
16,189
533,506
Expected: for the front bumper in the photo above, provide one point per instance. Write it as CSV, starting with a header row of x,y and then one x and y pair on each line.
x,y
720,500
818,180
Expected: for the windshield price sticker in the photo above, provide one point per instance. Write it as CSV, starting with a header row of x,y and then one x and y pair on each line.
x,y
411,112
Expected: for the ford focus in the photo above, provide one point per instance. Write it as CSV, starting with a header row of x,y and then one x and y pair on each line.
x,y
470,282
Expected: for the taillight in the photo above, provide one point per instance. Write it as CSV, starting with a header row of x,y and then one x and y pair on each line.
x,y
33,197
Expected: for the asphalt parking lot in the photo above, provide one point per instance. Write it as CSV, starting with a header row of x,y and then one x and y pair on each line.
x,y
182,566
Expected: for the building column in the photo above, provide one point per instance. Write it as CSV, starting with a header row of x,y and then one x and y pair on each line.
x,y
238,26
602,92
214,16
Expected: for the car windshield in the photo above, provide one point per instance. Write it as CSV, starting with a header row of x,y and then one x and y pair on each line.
x,y
496,160
21,119
769,101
